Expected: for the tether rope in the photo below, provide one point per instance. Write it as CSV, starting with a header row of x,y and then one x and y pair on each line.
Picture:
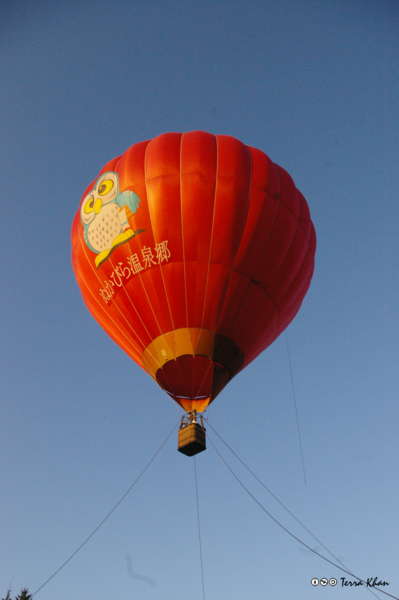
x,y
296,409
289,532
108,515
281,504
199,529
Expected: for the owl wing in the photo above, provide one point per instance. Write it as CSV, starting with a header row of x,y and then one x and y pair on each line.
x,y
129,199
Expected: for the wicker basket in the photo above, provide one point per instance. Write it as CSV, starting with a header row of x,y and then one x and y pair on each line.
x,y
191,439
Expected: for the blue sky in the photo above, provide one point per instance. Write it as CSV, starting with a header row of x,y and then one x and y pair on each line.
x,y
315,85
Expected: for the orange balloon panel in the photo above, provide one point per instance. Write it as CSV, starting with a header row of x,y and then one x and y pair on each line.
x,y
193,252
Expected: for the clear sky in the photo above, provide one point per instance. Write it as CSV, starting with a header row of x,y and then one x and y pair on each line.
x,y
315,85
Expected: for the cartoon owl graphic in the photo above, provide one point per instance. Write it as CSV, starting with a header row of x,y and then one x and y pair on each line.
x,y
104,214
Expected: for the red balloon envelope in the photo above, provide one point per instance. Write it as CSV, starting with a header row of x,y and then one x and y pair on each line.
x,y
193,252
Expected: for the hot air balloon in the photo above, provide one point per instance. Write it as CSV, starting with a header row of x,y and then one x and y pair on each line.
x,y
194,252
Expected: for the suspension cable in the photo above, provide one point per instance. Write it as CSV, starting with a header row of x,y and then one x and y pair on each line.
x,y
289,532
199,529
108,515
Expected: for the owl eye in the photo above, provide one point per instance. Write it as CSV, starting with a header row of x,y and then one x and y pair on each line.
x,y
89,206
105,187
87,209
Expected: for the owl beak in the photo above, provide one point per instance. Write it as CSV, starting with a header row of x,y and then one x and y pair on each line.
x,y
97,205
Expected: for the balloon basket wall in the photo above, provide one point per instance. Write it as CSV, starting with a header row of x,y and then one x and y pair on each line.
x,y
191,437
